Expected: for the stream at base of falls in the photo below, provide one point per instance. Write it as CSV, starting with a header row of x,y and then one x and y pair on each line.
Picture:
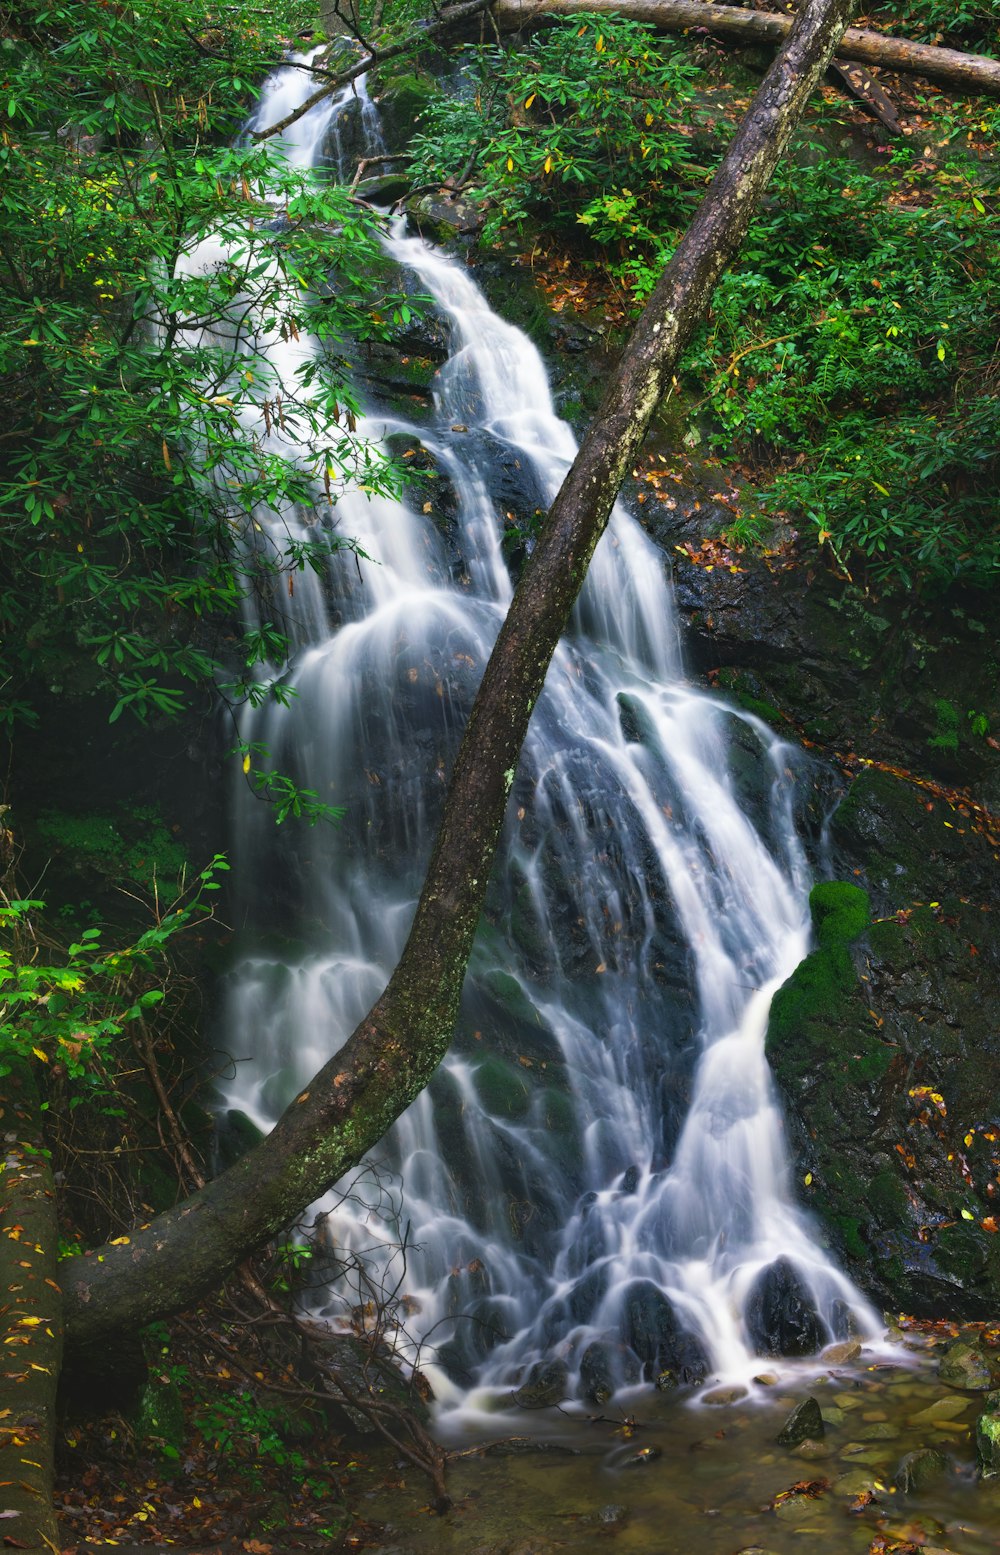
x,y
893,1474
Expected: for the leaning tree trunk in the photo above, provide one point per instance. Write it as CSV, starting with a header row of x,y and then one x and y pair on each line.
x,y
32,1339
967,72
392,1054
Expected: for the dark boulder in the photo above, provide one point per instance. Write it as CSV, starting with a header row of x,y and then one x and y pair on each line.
x,y
805,1423
651,1328
545,1385
920,1470
604,1368
780,1316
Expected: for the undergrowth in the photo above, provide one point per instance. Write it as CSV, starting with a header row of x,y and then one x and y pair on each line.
x,y
849,359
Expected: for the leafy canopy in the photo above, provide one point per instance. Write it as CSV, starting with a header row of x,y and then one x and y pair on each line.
x,y
586,126
848,363
67,1006
152,271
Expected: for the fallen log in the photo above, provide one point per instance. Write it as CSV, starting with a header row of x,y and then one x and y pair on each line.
x,y
964,72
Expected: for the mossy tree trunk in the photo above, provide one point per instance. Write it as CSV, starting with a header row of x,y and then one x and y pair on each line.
x,y
31,1301
389,1058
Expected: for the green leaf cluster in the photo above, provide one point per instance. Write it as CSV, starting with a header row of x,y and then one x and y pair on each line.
x,y
69,1009
584,127
961,24
850,358
162,476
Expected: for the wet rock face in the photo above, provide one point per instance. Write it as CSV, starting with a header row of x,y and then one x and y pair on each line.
x,y
887,1054
780,1316
605,1367
886,1047
666,1351
545,1385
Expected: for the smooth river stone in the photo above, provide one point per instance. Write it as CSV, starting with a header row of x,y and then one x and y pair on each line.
x,y
860,1452
941,1409
841,1354
811,1450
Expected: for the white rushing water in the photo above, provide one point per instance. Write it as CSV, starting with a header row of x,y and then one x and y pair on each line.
x,y
598,1169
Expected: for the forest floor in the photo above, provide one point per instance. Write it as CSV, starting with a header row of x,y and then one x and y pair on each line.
x,y
232,1454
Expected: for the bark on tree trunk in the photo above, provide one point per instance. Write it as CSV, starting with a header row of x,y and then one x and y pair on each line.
x,y
968,72
32,1342
390,1057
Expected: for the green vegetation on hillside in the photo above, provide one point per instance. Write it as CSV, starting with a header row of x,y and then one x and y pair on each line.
x,y
152,272
848,362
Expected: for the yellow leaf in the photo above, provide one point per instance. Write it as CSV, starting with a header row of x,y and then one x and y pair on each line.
x,y
880,488
529,100
599,45
153,177
30,1322
246,763
166,455
120,1241
195,1501
966,1215
807,1179
649,119
39,1054
548,164
510,164
824,535
941,351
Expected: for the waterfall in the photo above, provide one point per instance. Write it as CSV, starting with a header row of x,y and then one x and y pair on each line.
x,y
596,1175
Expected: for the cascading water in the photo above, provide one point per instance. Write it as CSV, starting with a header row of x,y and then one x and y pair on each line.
x,y
596,1174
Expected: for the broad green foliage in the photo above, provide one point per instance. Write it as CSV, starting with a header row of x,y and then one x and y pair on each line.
x,y
970,24
585,127
849,357
852,350
149,268
69,1007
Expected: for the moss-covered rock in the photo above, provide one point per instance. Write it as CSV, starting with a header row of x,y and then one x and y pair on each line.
x,y
988,1443
885,1044
503,1092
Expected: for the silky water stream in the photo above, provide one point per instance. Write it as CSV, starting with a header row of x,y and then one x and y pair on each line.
x,y
592,1194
